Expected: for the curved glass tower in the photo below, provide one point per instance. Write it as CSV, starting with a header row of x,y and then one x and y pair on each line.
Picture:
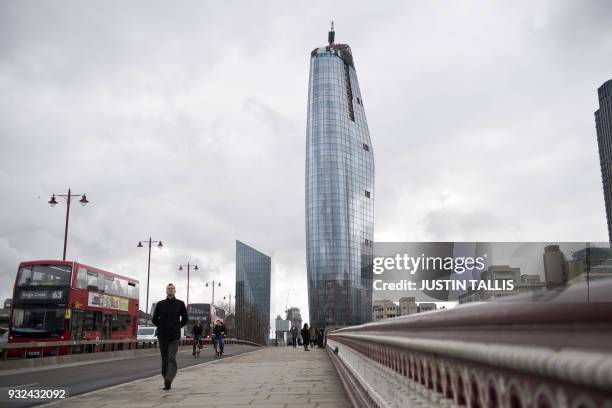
x,y
339,192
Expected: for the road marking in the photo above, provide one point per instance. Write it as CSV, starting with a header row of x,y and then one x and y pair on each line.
x,y
24,385
18,386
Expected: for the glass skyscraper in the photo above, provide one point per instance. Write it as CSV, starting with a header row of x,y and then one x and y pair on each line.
x,y
603,123
253,270
339,191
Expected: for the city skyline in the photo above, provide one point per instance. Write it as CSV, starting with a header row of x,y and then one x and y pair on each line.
x,y
179,128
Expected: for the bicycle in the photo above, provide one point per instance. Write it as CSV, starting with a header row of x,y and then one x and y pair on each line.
x,y
198,348
217,345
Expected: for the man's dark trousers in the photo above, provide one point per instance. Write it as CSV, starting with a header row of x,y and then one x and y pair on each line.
x,y
168,355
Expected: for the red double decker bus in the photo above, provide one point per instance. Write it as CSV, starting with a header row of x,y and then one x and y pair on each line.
x,y
61,300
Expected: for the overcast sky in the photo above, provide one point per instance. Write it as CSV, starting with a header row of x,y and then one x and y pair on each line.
x,y
187,122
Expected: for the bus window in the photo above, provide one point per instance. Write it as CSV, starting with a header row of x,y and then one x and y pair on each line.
x,y
123,288
132,290
106,326
92,280
44,275
117,289
38,320
108,284
121,322
76,325
92,321
82,279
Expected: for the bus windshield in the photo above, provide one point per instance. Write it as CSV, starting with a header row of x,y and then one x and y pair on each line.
x,y
38,320
44,275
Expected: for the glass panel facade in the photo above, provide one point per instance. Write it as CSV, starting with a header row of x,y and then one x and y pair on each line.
x,y
339,214
603,123
253,270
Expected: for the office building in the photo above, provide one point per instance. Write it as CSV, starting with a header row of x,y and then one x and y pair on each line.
x,y
295,317
339,191
603,124
281,328
407,306
253,272
384,309
555,266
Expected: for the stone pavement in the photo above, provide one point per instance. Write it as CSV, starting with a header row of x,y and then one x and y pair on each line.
x,y
270,377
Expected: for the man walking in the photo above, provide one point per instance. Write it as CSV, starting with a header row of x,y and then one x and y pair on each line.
x,y
169,316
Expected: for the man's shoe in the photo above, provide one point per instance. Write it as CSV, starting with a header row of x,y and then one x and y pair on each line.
x,y
167,384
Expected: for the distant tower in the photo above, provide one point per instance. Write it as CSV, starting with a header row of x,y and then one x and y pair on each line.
x,y
339,191
603,123
555,266
253,272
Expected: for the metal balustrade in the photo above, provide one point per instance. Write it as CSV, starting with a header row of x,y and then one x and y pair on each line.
x,y
506,354
55,348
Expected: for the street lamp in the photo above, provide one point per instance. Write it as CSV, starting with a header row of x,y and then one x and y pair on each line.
x,y
229,308
213,290
53,203
195,268
159,245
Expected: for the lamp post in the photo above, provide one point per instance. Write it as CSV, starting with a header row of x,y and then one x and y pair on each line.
x,y
229,307
230,322
195,268
159,245
213,291
53,202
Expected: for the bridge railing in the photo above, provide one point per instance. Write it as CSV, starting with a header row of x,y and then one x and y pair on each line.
x,y
49,348
510,354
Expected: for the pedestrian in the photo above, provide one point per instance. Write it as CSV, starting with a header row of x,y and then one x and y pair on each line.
x,y
294,336
198,331
312,337
321,338
305,336
170,316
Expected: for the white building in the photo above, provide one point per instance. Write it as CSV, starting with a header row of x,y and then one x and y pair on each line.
x,y
383,309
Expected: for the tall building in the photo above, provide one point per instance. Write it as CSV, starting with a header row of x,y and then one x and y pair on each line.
x,y
281,328
295,317
555,266
253,270
603,123
339,191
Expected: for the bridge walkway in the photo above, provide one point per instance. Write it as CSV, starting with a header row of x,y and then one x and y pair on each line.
x,y
272,377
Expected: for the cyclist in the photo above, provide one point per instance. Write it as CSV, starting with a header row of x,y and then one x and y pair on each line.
x,y
198,330
219,333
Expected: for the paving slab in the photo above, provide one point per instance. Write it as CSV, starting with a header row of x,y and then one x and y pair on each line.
x,y
270,377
